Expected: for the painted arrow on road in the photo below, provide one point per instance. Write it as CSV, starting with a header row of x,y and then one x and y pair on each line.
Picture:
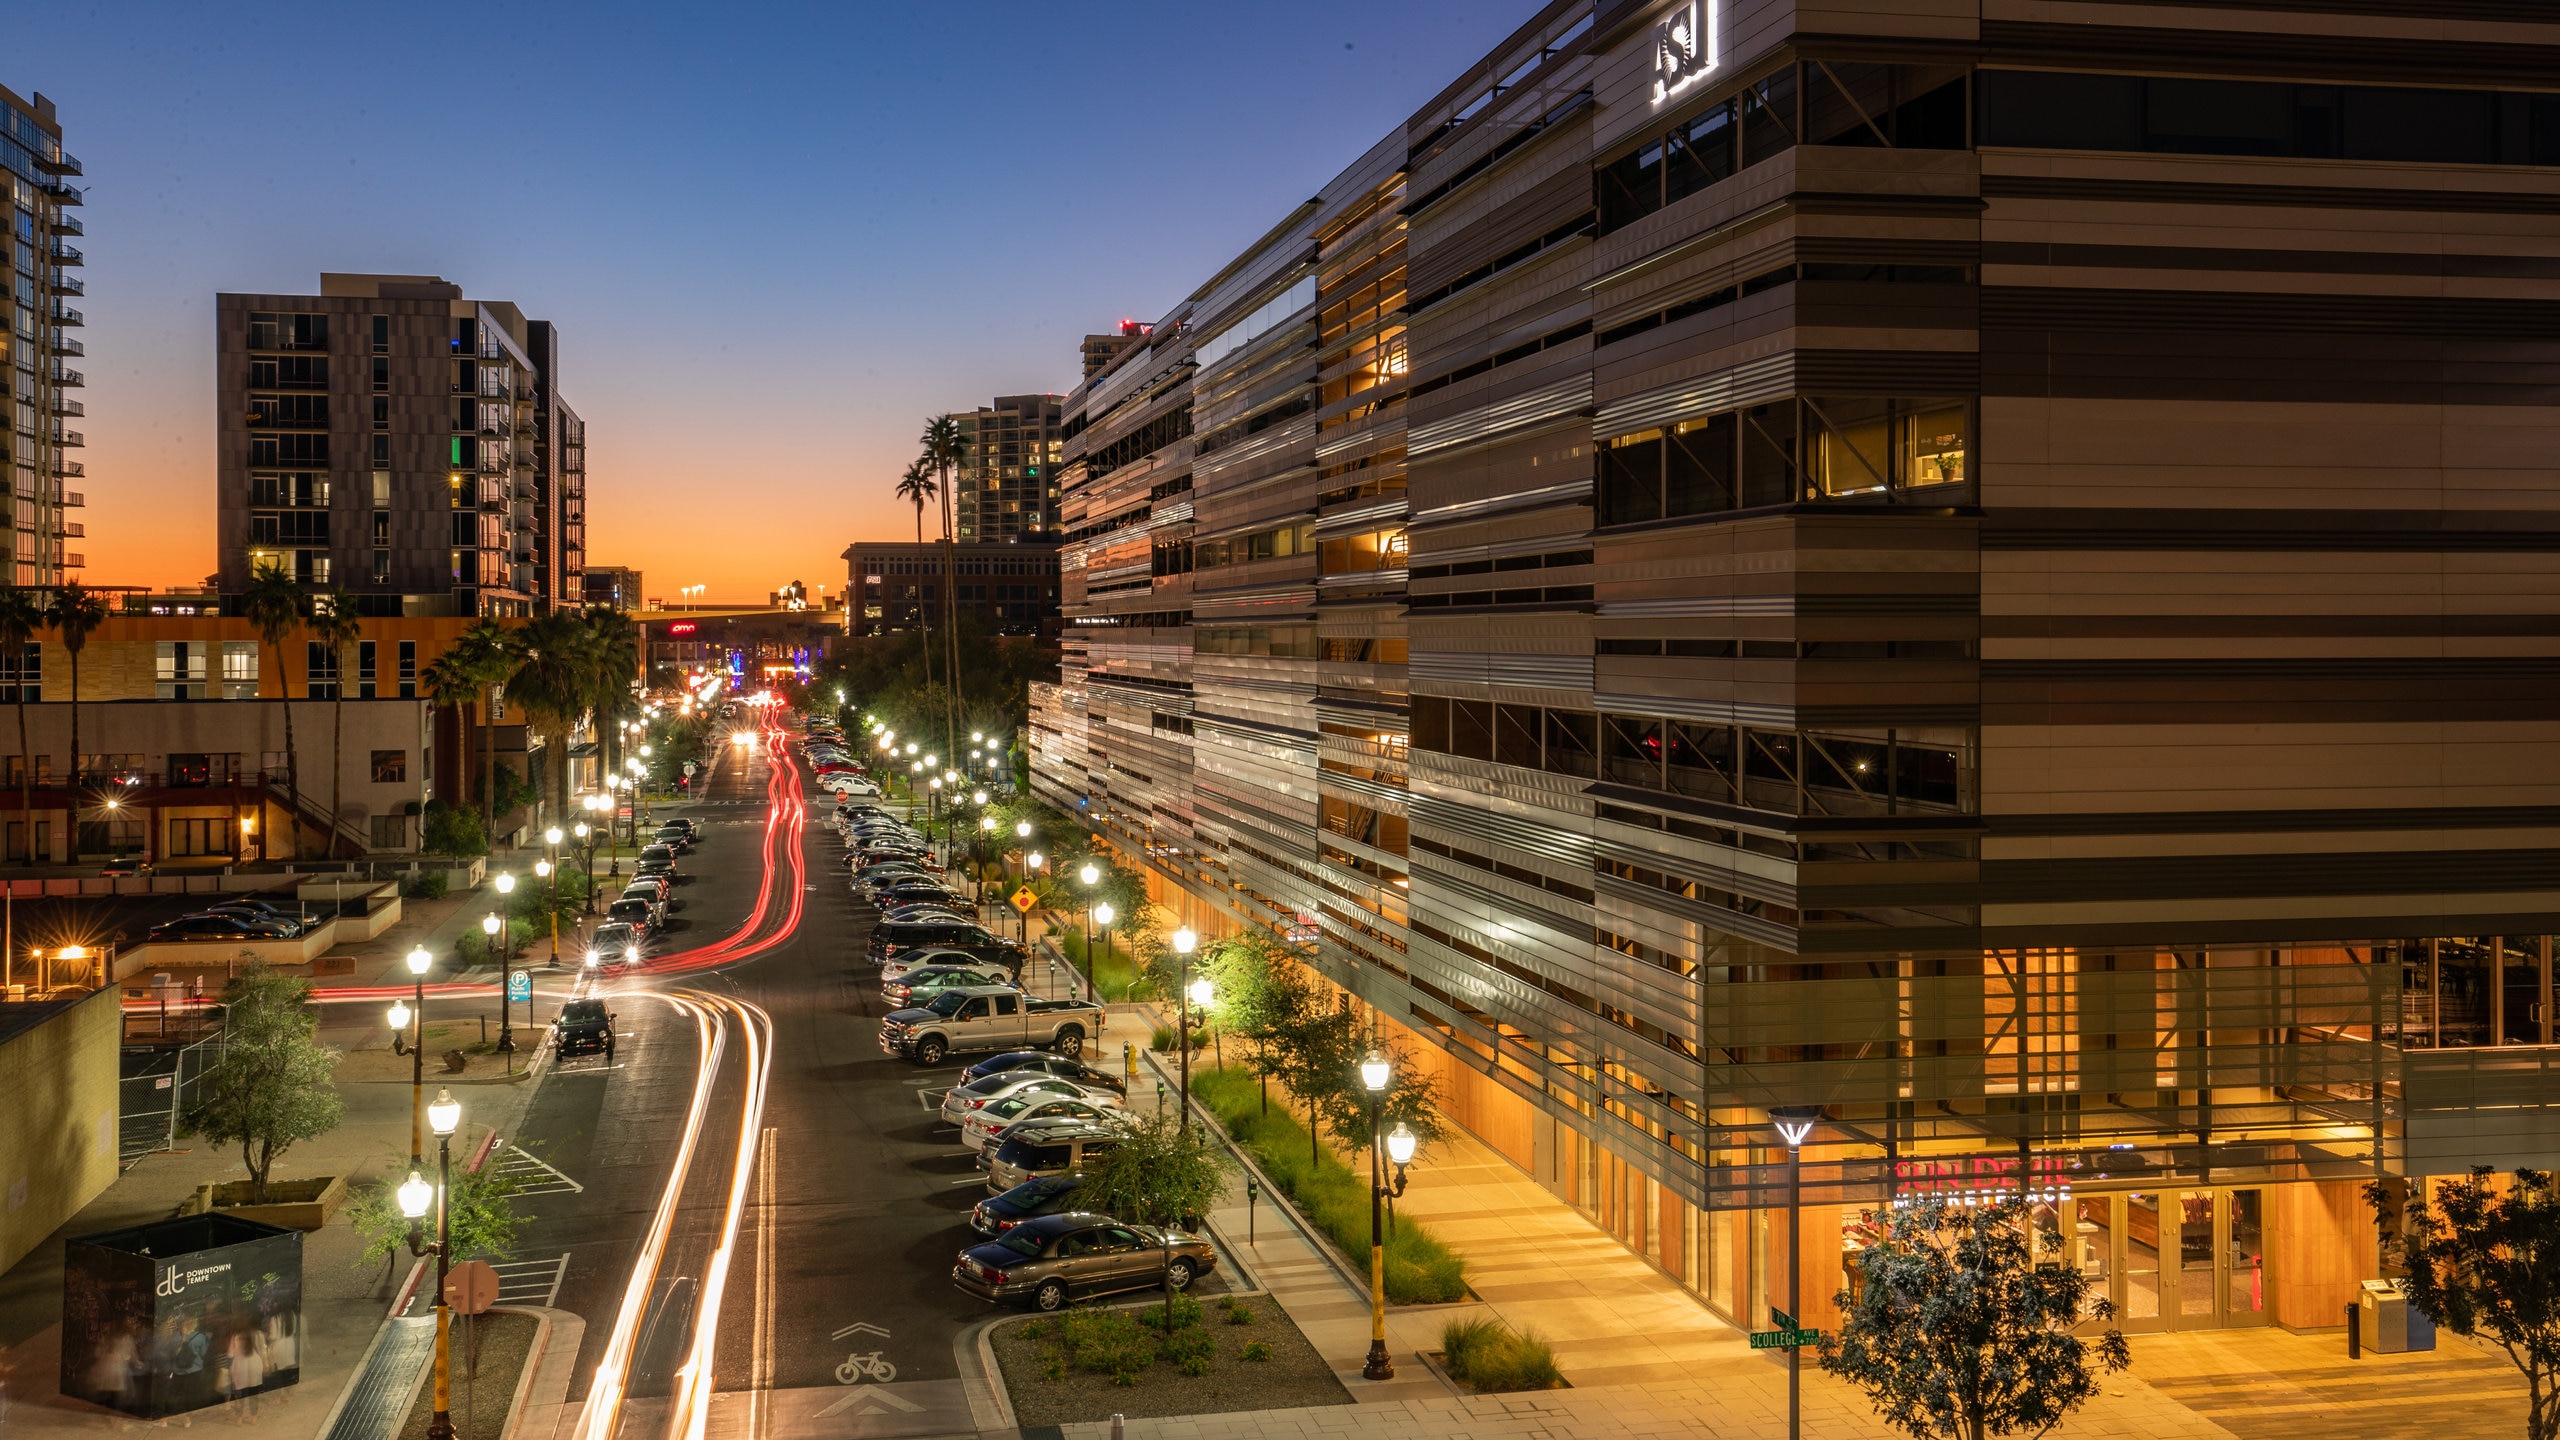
x,y
862,1402
859,1327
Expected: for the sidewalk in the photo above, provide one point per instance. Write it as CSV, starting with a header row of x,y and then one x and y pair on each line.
x,y
1643,1357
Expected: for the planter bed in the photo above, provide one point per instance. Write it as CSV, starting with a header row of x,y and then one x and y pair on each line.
x,y
1295,1375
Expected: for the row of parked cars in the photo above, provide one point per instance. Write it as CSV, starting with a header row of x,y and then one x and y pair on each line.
x,y
838,771
635,922
240,918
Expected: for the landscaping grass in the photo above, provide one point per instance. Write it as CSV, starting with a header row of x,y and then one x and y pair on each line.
x,y
1420,1269
1088,1364
1113,968
1488,1355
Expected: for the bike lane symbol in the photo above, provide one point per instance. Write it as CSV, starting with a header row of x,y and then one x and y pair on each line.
x,y
861,1366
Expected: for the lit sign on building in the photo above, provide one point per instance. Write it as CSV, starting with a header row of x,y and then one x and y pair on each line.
x,y
681,627
1684,48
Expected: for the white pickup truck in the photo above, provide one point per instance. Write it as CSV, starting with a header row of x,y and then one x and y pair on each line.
x,y
979,1018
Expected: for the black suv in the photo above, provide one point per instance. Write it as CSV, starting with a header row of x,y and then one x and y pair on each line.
x,y
892,936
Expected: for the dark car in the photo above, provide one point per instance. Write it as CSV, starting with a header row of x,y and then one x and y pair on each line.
x,y
635,912
1049,1195
295,922
217,927
616,945
585,1027
1045,1263
892,936
675,838
1064,1067
691,829
917,892
658,855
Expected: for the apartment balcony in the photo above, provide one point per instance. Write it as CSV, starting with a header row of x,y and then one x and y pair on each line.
x,y
61,254
60,405
67,377
63,164
62,344
493,465
69,284
70,528
68,469
69,439
62,194
69,225
71,499
73,560
61,314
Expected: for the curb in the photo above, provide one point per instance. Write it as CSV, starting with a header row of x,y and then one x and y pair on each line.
x,y
548,1368
990,1403
1316,1241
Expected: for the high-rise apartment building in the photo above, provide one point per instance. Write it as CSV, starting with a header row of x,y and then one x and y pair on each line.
x,y
1966,581
396,439
39,268
617,586
1007,487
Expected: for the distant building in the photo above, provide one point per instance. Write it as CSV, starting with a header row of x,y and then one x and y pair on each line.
x,y
40,272
614,585
894,585
1007,487
392,437
1101,350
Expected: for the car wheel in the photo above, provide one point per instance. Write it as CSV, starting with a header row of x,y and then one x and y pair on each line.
x,y
1070,1042
1052,1295
1178,1275
931,1051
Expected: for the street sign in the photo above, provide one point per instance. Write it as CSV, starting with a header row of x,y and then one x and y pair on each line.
x,y
520,985
1784,1339
688,767
471,1287
1023,899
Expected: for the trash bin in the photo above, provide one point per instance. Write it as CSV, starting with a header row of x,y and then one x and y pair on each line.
x,y
2388,1323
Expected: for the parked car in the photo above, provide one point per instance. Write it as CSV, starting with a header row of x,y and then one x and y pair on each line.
x,y
658,855
990,1125
217,927
890,937
1050,1195
692,830
249,907
616,945
963,1100
961,1021
1051,1147
680,841
635,911
1064,1067
585,1027
918,959
1047,1262
918,986
128,865
918,892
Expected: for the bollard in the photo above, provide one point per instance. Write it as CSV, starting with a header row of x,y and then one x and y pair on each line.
x,y
2355,1336
1129,1060
1252,1192
1118,1425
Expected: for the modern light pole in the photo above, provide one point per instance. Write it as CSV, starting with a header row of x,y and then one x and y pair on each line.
x,y
1089,874
977,862
1184,942
1030,862
419,962
1794,1129
445,1115
550,870
1375,1072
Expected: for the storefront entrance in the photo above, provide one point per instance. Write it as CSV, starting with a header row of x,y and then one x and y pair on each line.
x,y
2183,1259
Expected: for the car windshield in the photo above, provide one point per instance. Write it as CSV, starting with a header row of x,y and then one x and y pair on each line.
x,y
947,1003
1007,1109
582,1010
613,934
1021,1242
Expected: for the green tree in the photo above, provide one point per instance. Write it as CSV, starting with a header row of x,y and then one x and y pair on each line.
x,y
945,450
22,617
77,610
1320,1051
484,652
554,681
614,654
274,1086
2483,1260
273,606
480,1213
337,631
1961,1333
1162,1173
450,831
1260,998
917,486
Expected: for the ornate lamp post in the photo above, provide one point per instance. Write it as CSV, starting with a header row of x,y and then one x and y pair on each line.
x,y
1375,1072
445,1115
419,963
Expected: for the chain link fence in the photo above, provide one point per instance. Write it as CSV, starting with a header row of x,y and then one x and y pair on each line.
x,y
157,1083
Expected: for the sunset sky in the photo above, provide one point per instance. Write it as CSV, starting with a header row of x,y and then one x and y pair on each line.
x,y
774,239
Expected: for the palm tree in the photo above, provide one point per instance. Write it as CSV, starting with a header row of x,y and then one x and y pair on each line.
x,y
335,627
450,682
76,611
273,605
22,614
553,679
917,487
481,655
944,450
614,650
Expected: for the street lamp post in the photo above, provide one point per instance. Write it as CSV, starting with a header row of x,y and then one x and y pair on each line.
x,y
445,1115
586,838
1089,874
977,862
1794,1130
1375,1072
550,870
419,961
1030,863
1184,941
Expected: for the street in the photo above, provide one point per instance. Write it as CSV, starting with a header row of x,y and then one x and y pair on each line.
x,y
857,1201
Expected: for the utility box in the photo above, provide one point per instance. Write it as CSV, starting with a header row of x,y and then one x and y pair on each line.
x,y
2388,1324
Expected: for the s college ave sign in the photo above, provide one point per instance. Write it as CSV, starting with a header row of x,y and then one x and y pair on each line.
x,y
1684,48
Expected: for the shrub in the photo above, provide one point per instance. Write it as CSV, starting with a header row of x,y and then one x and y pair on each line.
x,y
1186,1314
1034,1329
1162,1040
450,831
1238,1312
1053,1366
1190,1351
1489,1356
1257,1350
1107,1342
1420,1270
423,885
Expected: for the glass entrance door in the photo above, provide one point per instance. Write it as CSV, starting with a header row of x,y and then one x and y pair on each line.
x,y
2180,1259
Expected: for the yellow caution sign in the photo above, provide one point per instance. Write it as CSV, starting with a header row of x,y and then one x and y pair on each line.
x,y
1023,899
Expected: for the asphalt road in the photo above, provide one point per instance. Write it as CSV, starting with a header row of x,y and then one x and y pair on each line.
x,y
860,1203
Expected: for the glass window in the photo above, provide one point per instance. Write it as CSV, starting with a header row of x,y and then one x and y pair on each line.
x,y
390,767
1630,478
1851,454
1698,467
1933,446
